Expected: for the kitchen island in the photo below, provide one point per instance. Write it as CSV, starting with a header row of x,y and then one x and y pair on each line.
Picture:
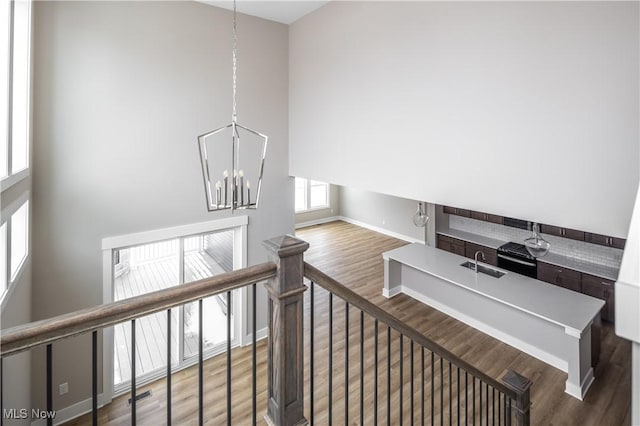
x,y
548,322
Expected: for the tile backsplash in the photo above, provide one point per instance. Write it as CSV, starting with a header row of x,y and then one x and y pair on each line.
x,y
579,250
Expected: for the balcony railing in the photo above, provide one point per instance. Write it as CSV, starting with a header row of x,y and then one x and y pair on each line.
x,y
439,375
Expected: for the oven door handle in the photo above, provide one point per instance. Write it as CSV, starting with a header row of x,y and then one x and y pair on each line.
x,y
511,259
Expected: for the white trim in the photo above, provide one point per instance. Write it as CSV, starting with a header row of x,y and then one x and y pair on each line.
x,y
8,211
577,333
317,222
534,351
5,218
381,230
313,209
122,241
73,411
107,333
389,293
8,181
580,391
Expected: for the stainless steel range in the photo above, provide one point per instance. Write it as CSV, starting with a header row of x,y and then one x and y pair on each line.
x,y
515,257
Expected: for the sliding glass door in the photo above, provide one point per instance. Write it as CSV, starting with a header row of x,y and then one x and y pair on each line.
x,y
149,267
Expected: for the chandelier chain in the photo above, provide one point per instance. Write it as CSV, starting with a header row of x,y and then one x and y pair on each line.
x,y
235,41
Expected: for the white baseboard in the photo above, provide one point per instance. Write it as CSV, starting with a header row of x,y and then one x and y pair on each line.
x,y
71,412
317,222
381,230
534,351
260,334
389,293
580,391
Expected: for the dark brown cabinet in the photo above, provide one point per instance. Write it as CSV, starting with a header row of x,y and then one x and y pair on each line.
x,y
467,249
601,289
450,244
603,240
456,211
562,232
490,255
567,278
584,283
486,217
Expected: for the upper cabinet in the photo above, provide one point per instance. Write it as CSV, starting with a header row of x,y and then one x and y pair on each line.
x,y
487,217
572,234
562,232
603,240
456,211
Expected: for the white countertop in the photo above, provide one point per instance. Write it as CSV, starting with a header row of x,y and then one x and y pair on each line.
x,y
473,238
601,271
564,307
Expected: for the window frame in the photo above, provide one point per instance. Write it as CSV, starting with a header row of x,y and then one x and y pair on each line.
x,y
5,220
238,224
307,192
12,177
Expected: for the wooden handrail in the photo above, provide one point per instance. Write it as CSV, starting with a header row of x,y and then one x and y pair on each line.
x,y
23,337
351,297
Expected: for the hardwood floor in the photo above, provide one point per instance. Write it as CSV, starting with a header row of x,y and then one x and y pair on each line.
x,y
352,255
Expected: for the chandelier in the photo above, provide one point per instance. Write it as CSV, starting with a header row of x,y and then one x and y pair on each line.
x,y
232,171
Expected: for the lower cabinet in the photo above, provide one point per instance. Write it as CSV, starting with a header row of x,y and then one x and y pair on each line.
x,y
567,278
451,244
467,249
602,289
490,255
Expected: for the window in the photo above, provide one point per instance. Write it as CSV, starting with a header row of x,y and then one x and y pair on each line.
x,y
15,30
19,238
311,195
14,240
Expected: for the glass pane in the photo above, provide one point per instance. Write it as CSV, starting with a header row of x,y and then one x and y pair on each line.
x,y
301,194
20,107
19,238
205,256
140,270
3,259
319,194
4,84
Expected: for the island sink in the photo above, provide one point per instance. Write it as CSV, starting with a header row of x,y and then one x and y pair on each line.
x,y
483,269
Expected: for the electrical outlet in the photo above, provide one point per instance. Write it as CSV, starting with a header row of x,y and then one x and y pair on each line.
x,y
64,388
384,222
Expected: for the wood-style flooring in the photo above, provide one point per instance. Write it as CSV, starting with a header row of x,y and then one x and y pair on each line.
x,y
352,255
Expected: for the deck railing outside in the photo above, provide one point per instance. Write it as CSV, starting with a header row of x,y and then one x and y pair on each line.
x,y
503,402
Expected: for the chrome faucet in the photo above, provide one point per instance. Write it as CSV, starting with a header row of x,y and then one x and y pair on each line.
x,y
475,256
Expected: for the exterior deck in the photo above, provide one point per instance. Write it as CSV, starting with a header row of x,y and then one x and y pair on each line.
x,y
158,270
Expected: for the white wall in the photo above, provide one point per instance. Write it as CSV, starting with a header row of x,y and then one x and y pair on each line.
x,y
523,109
389,213
122,89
